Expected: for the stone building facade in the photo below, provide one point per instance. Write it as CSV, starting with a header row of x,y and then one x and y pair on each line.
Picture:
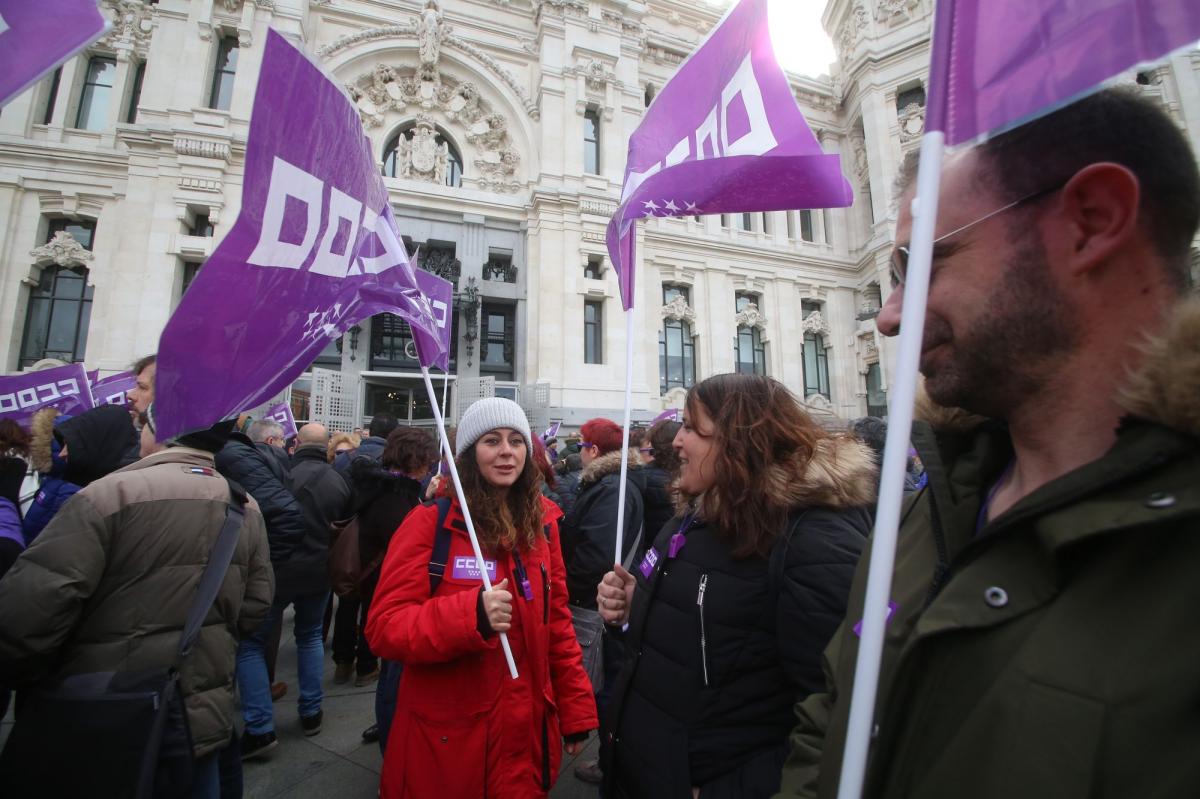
x,y
501,128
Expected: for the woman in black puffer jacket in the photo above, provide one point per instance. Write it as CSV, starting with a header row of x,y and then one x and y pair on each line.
x,y
735,600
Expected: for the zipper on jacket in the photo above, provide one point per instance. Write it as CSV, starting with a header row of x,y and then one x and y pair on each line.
x,y
703,637
545,594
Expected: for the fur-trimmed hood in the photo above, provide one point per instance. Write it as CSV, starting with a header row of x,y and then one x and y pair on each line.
x,y
606,465
1164,388
842,473
42,450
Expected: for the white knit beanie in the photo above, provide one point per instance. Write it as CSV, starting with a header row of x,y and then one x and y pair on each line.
x,y
489,414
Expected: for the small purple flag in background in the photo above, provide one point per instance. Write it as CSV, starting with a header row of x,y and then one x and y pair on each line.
x,y
996,64
314,250
670,414
723,136
112,390
35,37
282,413
63,387
551,431
440,293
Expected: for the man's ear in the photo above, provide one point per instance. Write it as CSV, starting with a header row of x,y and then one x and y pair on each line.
x,y
1099,214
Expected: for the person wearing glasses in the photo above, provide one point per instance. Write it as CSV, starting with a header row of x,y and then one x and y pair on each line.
x,y
736,597
1045,575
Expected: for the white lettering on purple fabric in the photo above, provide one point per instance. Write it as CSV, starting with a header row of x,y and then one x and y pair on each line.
x,y
36,396
3,25
341,207
287,181
393,251
465,568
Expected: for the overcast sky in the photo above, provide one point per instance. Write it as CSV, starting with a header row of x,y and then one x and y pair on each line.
x,y
800,43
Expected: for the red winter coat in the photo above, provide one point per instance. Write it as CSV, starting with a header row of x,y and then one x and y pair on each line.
x,y
463,727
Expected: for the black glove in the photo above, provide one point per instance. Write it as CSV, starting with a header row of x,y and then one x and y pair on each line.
x,y
12,475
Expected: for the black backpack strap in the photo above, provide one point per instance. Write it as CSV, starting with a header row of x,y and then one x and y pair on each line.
x,y
441,546
215,570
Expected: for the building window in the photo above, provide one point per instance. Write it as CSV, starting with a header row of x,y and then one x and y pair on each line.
x,y
806,226
499,268
51,96
221,96
190,270
97,93
595,267
60,306
816,357
498,342
876,396
676,347
912,96
201,227
398,165
750,354
766,223
135,96
724,220
591,141
746,221
593,331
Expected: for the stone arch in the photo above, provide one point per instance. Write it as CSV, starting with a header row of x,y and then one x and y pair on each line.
x,y
427,151
490,125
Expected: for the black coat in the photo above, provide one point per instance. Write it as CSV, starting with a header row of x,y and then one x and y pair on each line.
x,y
98,442
324,497
658,509
265,479
381,499
589,531
760,652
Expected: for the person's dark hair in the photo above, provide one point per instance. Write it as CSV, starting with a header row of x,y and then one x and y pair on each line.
x,y
13,439
660,439
637,437
603,433
503,520
872,431
757,425
382,425
1119,125
143,362
541,459
409,449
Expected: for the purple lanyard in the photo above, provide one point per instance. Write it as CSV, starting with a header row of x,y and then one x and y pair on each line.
x,y
680,538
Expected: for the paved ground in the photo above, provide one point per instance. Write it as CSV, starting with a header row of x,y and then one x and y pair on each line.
x,y
335,763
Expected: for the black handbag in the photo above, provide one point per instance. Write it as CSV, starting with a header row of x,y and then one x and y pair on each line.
x,y
116,734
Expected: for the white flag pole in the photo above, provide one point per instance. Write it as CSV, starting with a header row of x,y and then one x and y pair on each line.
x,y
445,392
466,512
625,434
895,458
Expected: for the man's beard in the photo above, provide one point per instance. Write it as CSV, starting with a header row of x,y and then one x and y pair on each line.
x,y
1007,353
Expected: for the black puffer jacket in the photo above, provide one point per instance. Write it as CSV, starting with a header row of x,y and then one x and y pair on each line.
x,y
264,479
98,443
382,499
324,497
658,509
725,647
589,532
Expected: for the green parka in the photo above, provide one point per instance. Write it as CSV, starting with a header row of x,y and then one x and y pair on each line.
x,y
1057,653
108,583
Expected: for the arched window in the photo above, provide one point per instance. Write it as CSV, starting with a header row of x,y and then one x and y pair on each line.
x,y
420,157
60,306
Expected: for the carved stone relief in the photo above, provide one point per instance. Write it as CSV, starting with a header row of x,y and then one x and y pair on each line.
x,y
62,250
894,12
678,310
852,30
132,26
750,316
912,122
815,323
421,157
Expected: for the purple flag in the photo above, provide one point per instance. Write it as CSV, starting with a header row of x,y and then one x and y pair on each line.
x,y
723,136
670,415
282,412
63,387
113,390
551,431
313,251
440,293
35,37
997,64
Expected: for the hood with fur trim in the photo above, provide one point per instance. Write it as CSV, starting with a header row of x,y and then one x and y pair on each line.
x,y
841,474
606,465
43,449
1164,388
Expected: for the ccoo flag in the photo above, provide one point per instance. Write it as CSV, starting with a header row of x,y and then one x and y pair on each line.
x,y
723,136
35,37
996,64
314,250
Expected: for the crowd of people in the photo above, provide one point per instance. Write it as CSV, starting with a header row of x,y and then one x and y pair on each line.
x,y
1042,584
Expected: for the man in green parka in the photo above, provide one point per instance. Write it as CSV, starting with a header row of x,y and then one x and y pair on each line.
x,y
1044,640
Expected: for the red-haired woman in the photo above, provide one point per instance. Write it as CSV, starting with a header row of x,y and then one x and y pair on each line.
x,y
734,602
463,727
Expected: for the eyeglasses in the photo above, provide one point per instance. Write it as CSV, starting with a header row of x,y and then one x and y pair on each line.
x,y
646,450
899,264
585,445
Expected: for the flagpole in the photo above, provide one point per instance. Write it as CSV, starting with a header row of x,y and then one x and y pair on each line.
x,y
445,391
895,457
466,512
625,433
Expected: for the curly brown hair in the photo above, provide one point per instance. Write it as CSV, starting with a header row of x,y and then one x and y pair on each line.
x,y
660,439
757,424
503,520
409,449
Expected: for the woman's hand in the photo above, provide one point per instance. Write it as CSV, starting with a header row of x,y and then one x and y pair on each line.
x,y
614,595
574,747
497,604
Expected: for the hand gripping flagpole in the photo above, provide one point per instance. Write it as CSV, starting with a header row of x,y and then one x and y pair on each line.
x,y
625,433
895,455
466,512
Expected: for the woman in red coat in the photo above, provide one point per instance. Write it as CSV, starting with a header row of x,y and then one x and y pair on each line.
x,y
463,727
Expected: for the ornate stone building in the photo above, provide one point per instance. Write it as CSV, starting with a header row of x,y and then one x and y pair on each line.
x,y
500,127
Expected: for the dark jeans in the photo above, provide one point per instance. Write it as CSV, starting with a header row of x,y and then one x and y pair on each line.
x,y
349,642
385,698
